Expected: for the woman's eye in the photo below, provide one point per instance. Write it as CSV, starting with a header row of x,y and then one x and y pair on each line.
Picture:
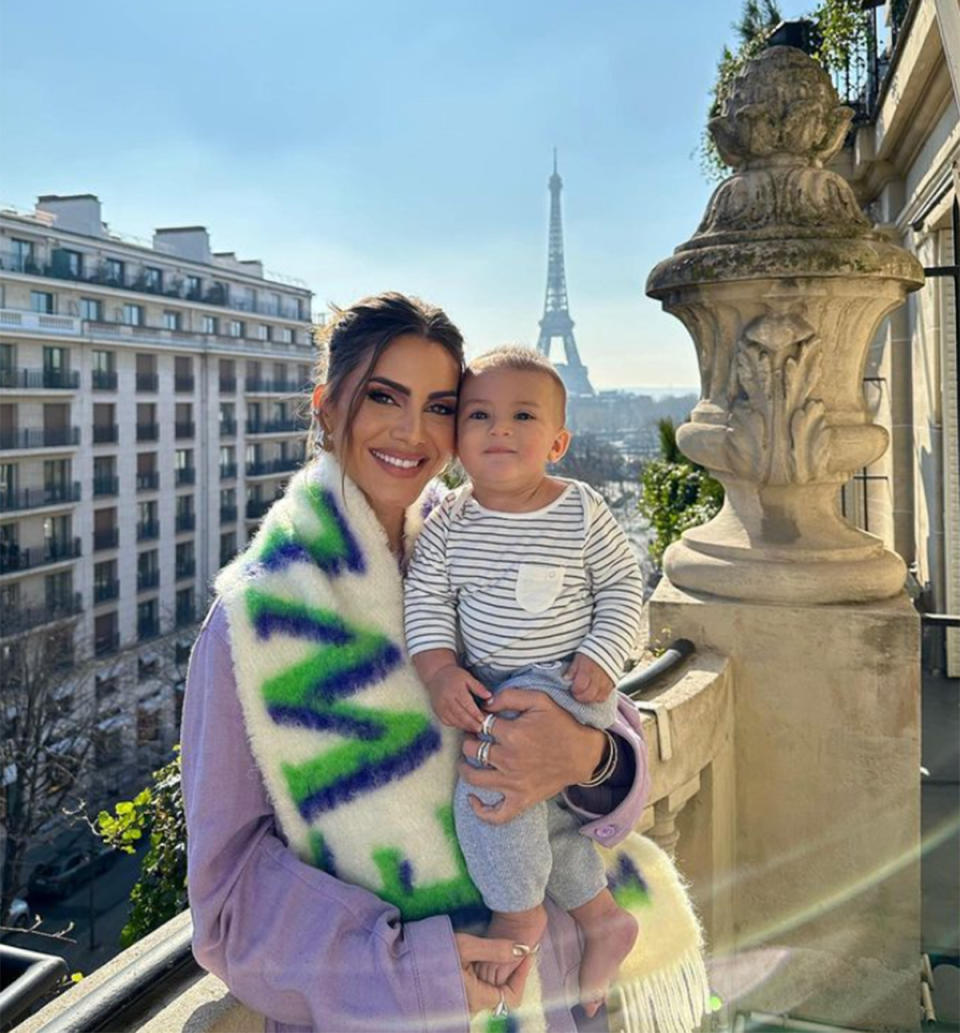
x,y
380,397
442,409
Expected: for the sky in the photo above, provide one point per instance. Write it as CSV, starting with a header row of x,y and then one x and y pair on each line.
x,y
364,146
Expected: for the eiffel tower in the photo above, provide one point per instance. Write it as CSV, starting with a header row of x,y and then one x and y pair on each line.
x,y
556,320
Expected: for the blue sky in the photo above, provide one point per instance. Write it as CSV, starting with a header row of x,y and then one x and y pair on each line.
x,y
364,146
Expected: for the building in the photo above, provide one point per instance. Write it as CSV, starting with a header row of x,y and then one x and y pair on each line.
x,y
151,407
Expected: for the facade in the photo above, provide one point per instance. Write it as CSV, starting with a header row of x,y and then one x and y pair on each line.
x,y
152,402
904,164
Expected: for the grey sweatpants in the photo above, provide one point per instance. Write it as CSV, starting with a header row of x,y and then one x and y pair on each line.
x,y
541,851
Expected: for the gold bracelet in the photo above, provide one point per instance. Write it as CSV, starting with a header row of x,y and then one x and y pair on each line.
x,y
607,765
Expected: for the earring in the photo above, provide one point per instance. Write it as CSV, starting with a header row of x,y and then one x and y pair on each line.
x,y
323,438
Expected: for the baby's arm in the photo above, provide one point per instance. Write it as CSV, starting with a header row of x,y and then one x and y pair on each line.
x,y
617,607
430,624
451,689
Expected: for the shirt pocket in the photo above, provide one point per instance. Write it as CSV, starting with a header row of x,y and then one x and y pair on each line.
x,y
537,586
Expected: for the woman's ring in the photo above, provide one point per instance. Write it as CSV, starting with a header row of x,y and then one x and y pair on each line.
x,y
487,727
501,1008
483,754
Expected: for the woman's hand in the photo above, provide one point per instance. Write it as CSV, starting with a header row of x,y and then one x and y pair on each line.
x,y
483,996
535,756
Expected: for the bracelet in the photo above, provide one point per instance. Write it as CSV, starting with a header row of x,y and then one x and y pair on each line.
x,y
607,765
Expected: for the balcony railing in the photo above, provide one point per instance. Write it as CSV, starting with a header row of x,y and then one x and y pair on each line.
x,y
228,428
184,382
228,385
17,619
34,498
106,486
105,433
148,431
257,507
275,426
103,379
40,379
148,481
148,628
186,475
228,514
148,529
103,591
188,568
14,559
48,437
228,471
106,538
147,579
147,381
55,550
258,385
274,466
104,645
184,429
20,319
186,521
186,615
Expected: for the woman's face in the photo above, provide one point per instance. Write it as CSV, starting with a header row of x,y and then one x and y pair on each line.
x,y
403,431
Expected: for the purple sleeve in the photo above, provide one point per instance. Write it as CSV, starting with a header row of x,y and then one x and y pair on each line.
x,y
589,805
289,940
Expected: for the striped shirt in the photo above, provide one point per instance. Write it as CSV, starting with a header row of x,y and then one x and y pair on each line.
x,y
511,589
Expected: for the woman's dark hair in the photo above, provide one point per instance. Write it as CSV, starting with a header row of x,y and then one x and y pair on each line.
x,y
357,336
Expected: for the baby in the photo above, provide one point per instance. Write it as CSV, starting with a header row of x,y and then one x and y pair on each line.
x,y
531,581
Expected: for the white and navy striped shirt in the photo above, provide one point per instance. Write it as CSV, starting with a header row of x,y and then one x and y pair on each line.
x,y
524,588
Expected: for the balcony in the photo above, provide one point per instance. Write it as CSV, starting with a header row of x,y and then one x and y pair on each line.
x,y
103,486
103,379
104,645
228,385
228,428
13,559
186,521
39,379
257,385
35,498
14,621
186,615
148,628
184,429
185,475
257,507
147,530
49,437
105,434
17,319
103,591
149,481
274,466
106,538
228,471
147,579
276,426
147,382
228,514
186,569
148,431
184,383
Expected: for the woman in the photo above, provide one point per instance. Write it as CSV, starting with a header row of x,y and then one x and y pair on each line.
x,y
311,768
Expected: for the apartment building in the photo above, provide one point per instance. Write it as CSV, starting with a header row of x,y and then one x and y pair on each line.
x,y
152,405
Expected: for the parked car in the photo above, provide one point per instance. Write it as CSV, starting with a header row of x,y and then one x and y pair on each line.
x,y
70,871
17,916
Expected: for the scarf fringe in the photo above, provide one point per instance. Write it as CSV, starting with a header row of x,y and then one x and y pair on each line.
x,y
672,1000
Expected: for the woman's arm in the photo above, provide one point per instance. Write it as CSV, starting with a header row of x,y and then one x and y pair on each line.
x,y
289,940
545,751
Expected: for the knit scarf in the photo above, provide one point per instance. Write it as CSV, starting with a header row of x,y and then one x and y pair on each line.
x,y
359,772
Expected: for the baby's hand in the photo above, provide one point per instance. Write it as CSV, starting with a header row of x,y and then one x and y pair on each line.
x,y
590,683
451,695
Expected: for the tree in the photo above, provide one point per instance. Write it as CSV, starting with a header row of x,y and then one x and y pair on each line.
x,y
594,461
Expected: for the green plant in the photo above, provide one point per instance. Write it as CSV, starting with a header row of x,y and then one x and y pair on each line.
x,y
675,494
156,813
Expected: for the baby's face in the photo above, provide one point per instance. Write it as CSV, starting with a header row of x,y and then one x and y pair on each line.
x,y
509,426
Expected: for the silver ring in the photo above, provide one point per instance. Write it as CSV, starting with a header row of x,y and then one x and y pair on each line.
x,y
487,727
501,1008
483,753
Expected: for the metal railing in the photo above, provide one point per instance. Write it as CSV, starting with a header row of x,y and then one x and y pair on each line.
x,y
104,434
186,521
184,383
106,590
186,569
103,379
285,426
147,530
147,629
104,645
147,381
228,428
13,621
257,507
28,976
147,579
40,379
185,475
228,471
148,431
184,429
228,514
148,481
106,486
34,498
32,437
107,538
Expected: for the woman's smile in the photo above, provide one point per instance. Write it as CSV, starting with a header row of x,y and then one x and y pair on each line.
x,y
397,464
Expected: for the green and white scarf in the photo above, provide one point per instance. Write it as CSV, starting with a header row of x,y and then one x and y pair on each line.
x,y
360,773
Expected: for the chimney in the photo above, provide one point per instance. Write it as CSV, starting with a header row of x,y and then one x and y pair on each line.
x,y
77,213
190,242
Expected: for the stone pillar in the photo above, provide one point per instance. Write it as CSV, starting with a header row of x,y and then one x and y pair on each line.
x,y
782,287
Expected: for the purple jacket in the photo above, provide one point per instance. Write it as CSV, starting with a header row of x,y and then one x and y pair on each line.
x,y
301,947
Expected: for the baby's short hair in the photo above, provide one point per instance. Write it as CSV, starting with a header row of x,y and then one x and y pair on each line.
x,y
522,360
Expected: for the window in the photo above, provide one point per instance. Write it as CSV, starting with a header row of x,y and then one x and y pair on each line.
x,y
284,335
148,623
56,475
228,547
227,415
8,485
55,360
114,271
91,308
171,320
105,636
228,497
249,299
8,358
274,305
209,324
106,685
152,278
263,332
72,262
21,255
194,287
133,315
41,301
105,582
235,328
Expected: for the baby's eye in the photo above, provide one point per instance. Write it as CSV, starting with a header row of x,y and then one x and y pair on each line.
x,y
477,414
380,397
525,416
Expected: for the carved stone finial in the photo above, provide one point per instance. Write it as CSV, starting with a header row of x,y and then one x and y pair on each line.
x,y
782,106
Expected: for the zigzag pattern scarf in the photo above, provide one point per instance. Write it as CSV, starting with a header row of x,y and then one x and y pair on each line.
x,y
359,773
